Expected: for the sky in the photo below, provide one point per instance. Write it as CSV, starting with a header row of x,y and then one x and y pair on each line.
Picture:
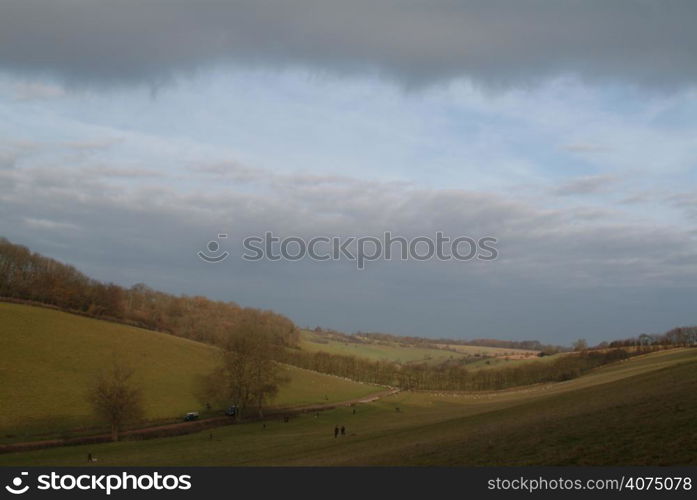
x,y
133,133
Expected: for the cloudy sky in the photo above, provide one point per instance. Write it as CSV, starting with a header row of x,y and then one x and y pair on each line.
x,y
132,133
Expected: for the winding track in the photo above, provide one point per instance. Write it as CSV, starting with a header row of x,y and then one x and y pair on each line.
x,y
181,428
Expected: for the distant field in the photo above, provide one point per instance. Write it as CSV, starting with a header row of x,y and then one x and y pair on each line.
x,y
48,359
374,351
637,412
402,353
491,351
506,362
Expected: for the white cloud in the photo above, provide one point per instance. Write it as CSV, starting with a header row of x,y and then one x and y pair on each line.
x,y
48,224
36,91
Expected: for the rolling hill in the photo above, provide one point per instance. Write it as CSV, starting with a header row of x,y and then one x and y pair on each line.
x,y
639,411
48,359
642,411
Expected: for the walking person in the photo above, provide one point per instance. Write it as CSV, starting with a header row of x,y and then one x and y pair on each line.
x,y
343,430
336,431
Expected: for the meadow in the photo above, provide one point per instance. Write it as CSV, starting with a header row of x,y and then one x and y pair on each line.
x,y
642,410
403,353
49,359
636,412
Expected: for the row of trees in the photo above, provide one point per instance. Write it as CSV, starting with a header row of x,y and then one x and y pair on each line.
x,y
453,375
680,336
533,345
29,276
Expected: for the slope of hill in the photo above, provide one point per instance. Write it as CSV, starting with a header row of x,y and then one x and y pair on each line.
x,y
48,359
637,412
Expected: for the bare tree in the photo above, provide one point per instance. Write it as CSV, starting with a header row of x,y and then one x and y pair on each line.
x,y
116,397
580,345
247,376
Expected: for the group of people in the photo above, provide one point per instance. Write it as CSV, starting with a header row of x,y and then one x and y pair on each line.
x,y
337,430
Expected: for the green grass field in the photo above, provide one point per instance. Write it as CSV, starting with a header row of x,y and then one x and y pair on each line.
x,y
636,412
48,359
472,350
505,362
400,353
309,341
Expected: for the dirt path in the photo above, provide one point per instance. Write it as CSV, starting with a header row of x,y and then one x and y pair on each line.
x,y
181,428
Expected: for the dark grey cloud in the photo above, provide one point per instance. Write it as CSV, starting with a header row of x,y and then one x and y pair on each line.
x,y
585,185
501,42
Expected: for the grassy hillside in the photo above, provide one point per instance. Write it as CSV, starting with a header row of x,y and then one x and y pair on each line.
x,y
48,360
401,353
640,411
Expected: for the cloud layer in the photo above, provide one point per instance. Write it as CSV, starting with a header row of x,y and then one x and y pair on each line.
x,y
562,273
498,42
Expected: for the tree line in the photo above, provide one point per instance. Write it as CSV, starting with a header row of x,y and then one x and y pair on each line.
x,y
679,336
29,276
454,375
532,345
